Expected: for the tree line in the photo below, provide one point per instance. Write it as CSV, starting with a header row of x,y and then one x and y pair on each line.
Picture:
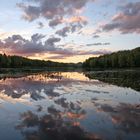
x,y
7,61
120,59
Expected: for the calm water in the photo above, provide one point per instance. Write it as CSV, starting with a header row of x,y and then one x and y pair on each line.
x,y
70,106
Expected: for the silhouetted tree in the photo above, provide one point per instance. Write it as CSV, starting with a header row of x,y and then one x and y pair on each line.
x,y
121,59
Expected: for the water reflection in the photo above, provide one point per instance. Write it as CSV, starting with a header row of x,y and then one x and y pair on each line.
x,y
54,125
37,86
34,85
124,116
69,105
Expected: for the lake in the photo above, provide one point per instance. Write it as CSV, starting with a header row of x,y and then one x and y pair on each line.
x,y
89,105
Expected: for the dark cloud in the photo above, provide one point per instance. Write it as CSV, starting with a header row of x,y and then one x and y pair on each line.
x,y
18,45
55,11
38,44
63,32
96,36
69,29
107,43
37,37
126,21
95,44
51,41
17,37
30,12
55,22
98,44
50,9
14,38
40,25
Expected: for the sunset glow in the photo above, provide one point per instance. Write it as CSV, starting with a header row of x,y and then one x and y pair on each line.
x,y
67,30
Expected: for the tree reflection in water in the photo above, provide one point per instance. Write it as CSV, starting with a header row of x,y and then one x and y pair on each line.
x,y
32,85
69,106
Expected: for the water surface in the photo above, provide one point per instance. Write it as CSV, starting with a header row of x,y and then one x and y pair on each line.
x,y
70,106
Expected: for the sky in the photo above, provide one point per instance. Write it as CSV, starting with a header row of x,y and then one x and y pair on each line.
x,y
68,30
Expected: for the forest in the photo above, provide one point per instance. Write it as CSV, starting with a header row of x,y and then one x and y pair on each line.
x,y
120,59
7,61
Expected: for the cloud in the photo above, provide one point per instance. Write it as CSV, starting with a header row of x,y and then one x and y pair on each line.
x,y
38,44
96,36
14,38
50,9
77,19
55,11
96,52
98,44
71,28
70,53
74,20
50,43
56,22
30,12
37,37
63,32
90,31
127,20
16,44
40,25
